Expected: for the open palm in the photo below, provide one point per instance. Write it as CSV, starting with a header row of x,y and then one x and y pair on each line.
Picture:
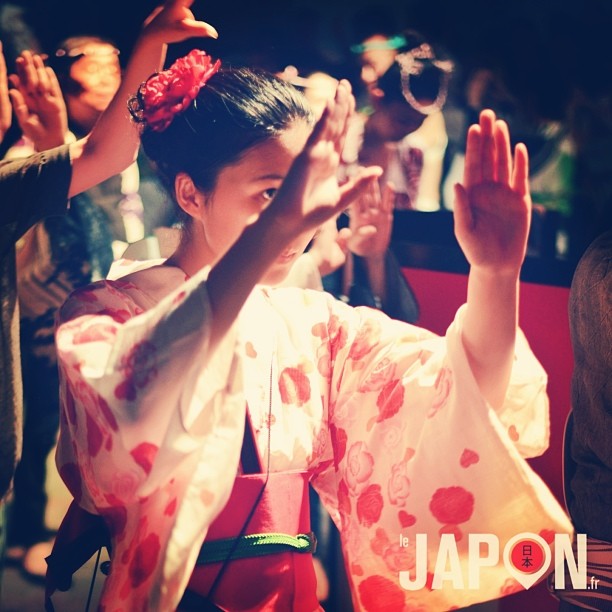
x,y
371,221
493,206
38,102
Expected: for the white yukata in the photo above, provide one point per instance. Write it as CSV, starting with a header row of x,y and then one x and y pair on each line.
x,y
386,417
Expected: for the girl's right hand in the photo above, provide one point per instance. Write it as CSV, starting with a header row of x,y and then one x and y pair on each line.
x,y
310,193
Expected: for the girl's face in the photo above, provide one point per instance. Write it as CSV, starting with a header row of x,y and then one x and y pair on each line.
x,y
242,191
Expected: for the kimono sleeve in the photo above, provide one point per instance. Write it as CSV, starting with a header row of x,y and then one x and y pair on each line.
x,y
150,431
419,458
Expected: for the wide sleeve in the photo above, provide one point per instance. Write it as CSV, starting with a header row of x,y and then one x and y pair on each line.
x,y
418,453
151,429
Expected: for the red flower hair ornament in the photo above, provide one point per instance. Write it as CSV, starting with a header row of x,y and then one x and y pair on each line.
x,y
165,94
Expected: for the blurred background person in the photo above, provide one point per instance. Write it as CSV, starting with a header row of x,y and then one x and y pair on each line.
x,y
58,255
403,125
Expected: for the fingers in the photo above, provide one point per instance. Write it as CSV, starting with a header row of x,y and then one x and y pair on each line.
x,y
369,199
2,68
388,198
174,22
338,118
357,185
333,123
487,145
504,157
5,105
53,84
22,112
472,172
520,175
32,76
488,157
348,112
342,239
41,74
194,28
26,71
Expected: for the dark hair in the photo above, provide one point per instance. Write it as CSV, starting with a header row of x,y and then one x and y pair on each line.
x,y
235,110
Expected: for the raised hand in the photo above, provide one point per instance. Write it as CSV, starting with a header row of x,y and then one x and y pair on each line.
x,y
371,221
493,206
38,102
329,247
310,193
5,103
174,22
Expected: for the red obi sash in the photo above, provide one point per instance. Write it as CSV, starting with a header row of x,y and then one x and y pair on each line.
x,y
240,570
270,571
282,580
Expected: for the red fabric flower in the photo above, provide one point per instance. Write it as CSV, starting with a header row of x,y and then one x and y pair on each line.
x,y
144,455
171,91
144,560
359,466
399,484
370,505
452,505
390,400
379,593
294,387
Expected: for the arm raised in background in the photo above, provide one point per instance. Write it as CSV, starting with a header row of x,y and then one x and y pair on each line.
x,y
5,104
113,143
371,223
492,215
37,100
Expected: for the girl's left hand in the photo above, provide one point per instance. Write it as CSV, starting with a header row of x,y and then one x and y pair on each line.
x,y
493,206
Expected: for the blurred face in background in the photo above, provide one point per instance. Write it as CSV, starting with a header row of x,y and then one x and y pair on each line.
x,y
375,59
413,88
98,74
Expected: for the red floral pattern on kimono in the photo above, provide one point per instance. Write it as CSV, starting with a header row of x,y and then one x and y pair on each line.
x,y
385,416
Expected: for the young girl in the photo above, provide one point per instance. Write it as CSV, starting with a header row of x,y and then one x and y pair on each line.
x,y
180,376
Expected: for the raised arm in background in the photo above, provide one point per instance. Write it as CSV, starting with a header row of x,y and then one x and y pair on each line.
x,y
5,105
113,143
